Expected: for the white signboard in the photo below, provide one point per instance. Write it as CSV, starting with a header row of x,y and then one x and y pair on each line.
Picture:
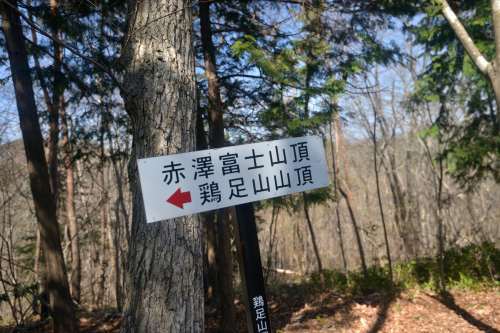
x,y
188,183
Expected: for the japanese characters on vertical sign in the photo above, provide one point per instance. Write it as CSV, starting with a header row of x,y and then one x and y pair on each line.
x,y
188,183
259,313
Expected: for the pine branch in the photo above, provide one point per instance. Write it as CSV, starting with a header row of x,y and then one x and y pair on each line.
x,y
72,49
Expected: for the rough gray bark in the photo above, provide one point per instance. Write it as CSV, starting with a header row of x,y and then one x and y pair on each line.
x,y
164,288
61,306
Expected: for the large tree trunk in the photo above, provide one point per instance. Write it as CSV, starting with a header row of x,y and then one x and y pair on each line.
x,y
224,258
45,206
164,277
76,272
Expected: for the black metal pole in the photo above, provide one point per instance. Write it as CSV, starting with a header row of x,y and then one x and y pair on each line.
x,y
252,267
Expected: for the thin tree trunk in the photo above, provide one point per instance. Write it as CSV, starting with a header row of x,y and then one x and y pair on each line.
x,y
119,178
53,106
38,245
74,238
346,193
334,150
52,158
164,288
119,262
347,196
379,195
341,240
216,139
115,259
241,266
438,174
115,230
272,239
224,261
39,269
45,207
94,278
308,78
104,209
313,235
440,225
403,224
209,265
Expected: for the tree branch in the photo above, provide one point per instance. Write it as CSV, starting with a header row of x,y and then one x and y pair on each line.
x,y
479,60
495,8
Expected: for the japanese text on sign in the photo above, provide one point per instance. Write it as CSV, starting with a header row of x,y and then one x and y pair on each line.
x,y
260,314
187,183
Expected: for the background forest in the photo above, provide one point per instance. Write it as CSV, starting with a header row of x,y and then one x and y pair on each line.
x,y
404,94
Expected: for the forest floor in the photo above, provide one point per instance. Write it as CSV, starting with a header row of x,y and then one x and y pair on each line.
x,y
410,311
294,309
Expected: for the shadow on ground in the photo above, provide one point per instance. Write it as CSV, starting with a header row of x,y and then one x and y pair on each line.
x,y
448,300
383,311
295,307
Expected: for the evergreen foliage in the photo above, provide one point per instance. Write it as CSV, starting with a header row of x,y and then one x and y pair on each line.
x,y
470,118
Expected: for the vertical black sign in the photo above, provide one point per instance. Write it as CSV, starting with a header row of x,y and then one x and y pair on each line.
x,y
257,300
